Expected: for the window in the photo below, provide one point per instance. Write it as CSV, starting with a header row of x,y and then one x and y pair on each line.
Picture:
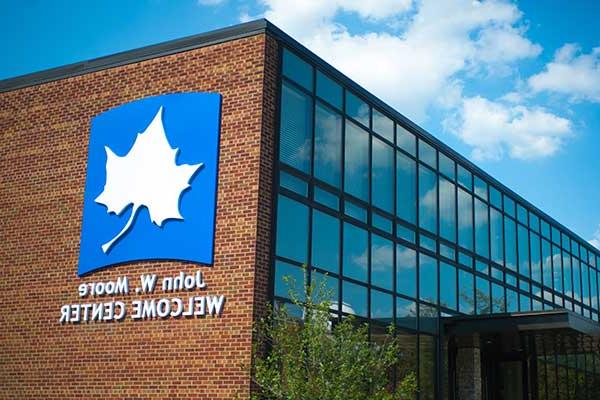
x,y
382,262
557,267
296,128
329,284
522,214
355,259
509,206
536,262
383,125
382,306
406,187
576,279
427,199
292,229
465,178
495,198
510,243
356,171
328,145
466,298
512,304
585,284
497,239
406,140
482,288
357,109
406,271
289,280
447,210
293,183
465,219
355,299
447,286
498,299
567,274
447,166
546,263
325,242
297,70
481,188
481,229
523,249
329,90
382,175
428,290
427,154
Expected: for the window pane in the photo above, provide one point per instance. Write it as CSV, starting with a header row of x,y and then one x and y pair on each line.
x,y
497,240
427,199
567,274
328,145
356,171
296,126
536,262
546,263
326,198
293,183
482,289
383,125
428,279
329,90
447,166
512,301
524,268
355,211
481,229
465,292
447,210
510,244
382,262
465,219
406,313
534,222
357,109
292,229
406,271
297,69
382,176
329,284
481,188
576,279
289,281
545,229
355,299
427,154
406,140
326,242
509,206
495,198
406,181
355,258
447,286
382,306
522,214
557,269
498,299
585,284
465,178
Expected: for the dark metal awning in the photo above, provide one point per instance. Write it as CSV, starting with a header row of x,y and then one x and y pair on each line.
x,y
556,321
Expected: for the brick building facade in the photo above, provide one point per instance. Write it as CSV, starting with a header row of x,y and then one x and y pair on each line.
x,y
45,129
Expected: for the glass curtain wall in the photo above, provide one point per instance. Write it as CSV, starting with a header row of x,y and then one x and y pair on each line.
x,y
404,232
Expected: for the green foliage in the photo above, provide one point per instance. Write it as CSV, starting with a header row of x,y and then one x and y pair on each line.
x,y
314,357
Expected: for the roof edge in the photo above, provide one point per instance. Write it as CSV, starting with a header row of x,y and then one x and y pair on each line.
x,y
217,36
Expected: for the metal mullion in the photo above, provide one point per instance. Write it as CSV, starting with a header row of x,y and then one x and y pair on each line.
x,y
369,218
312,171
342,207
456,284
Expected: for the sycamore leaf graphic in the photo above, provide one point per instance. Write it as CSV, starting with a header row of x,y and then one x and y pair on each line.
x,y
146,176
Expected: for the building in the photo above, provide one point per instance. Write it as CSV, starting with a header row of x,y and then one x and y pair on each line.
x,y
493,298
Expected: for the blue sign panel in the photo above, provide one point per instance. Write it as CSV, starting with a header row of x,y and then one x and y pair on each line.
x,y
151,186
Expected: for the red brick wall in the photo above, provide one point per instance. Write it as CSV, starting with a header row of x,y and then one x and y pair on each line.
x,y
43,153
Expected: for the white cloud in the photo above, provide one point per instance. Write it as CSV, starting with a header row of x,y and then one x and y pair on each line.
x,y
493,129
571,73
418,67
595,241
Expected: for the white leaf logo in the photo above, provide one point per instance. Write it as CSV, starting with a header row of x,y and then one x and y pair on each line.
x,y
146,176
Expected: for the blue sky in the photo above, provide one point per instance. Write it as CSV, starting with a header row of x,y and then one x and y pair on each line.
x,y
515,87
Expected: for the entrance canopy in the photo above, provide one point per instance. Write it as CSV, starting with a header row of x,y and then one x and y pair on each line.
x,y
555,321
